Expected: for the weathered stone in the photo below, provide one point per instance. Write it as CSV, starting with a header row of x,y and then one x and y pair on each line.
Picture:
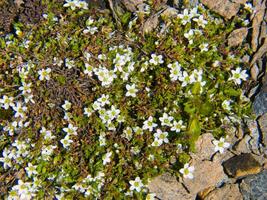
x,y
240,1
254,71
227,192
225,8
261,51
207,174
204,147
260,102
255,136
255,187
256,22
243,145
242,165
150,24
263,127
169,12
237,36
167,187
221,157
132,5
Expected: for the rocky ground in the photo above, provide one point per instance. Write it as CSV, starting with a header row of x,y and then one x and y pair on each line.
x,y
241,171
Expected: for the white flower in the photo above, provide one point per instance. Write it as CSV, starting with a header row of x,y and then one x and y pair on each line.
x,y
47,134
157,142
166,119
67,116
69,63
6,160
88,69
151,196
185,79
105,76
201,21
148,124
48,150
44,74
220,145
204,47
177,126
96,105
88,111
186,17
20,110
189,35
106,158
175,71
187,171
238,75
7,102
226,105
113,112
82,4
248,7
71,130
162,136
156,59
67,105
131,90
71,4
136,184
104,100
91,30
138,130
25,88
31,169
128,133
66,141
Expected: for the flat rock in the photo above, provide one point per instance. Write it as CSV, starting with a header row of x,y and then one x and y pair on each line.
x,y
227,192
255,136
255,187
168,188
207,174
243,145
204,147
225,8
263,127
132,5
237,36
242,165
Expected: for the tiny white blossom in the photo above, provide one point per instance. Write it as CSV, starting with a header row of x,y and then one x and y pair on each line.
x,y
177,126
186,17
166,120
67,105
156,59
106,158
25,88
31,169
136,184
220,145
69,63
20,110
201,21
238,75
226,105
71,130
187,171
131,90
47,134
7,102
204,47
88,69
148,124
162,136
44,74
66,141
151,196
88,111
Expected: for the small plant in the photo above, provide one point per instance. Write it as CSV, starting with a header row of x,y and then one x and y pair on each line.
x,y
95,113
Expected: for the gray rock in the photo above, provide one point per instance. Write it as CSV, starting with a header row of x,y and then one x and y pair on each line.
x,y
237,36
260,102
255,187
263,127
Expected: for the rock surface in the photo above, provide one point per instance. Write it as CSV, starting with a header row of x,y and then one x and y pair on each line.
x,y
237,36
204,147
224,8
207,174
168,188
263,127
255,187
227,192
242,165
260,102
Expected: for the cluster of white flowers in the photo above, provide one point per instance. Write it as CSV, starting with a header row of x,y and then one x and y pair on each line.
x,y
192,14
90,28
91,186
73,4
